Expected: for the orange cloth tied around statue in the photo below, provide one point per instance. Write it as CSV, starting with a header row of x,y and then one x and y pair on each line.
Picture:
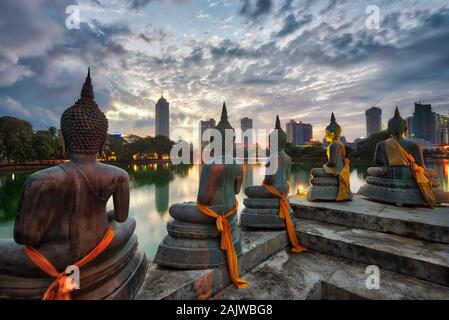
x,y
398,156
343,175
226,241
284,214
58,290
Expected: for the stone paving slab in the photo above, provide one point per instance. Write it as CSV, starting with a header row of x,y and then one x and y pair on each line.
x,y
428,261
414,222
313,275
166,283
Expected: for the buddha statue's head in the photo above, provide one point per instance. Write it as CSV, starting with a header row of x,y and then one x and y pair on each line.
x,y
281,135
397,126
226,131
333,130
84,127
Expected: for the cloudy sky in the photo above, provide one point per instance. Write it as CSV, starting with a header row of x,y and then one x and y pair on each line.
x,y
300,59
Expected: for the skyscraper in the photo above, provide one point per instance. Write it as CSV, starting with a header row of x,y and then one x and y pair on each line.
x,y
246,123
162,117
289,130
303,133
410,127
204,125
299,132
424,122
441,125
373,120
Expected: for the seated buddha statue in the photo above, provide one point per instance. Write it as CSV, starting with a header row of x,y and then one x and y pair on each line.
x,y
205,234
401,177
62,222
267,206
331,182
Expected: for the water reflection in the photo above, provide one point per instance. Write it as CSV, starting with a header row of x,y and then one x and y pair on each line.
x,y
154,187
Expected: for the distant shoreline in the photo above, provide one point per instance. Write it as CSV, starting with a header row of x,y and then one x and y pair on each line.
x,y
24,167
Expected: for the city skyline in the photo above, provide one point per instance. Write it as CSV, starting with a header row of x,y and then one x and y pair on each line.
x,y
299,59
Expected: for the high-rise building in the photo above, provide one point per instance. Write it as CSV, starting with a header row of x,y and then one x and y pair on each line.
x,y
246,124
424,122
162,117
303,133
410,127
204,125
299,132
289,130
441,132
373,120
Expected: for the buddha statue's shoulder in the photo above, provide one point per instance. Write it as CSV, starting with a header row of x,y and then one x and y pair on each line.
x,y
381,144
44,181
112,170
411,144
50,175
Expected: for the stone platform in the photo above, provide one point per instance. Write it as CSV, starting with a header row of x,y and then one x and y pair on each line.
x,y
165,283
414,222
410,246
316,276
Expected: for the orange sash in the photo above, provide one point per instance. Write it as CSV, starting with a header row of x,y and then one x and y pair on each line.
x,y
403,158
284,214
226,241
58,290
343,175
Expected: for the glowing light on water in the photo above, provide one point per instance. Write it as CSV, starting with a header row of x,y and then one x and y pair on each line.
x,y
13,177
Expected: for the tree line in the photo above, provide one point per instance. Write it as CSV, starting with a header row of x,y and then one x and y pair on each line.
x,y
363,151
19,143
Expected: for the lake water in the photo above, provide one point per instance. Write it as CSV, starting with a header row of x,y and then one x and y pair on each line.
x,y
155,187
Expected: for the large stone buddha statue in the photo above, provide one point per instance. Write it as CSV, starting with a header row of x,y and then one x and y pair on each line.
x,y
205,234
401,177
331,182
62,223
261,206
267,206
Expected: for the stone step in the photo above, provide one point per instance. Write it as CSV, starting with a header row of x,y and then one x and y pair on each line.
x,y
427,261
414,222
168,283
317,276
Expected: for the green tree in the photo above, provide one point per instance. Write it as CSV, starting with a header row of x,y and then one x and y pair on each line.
x,y
16,138
115,146
162,145
47,145
367,147
53,130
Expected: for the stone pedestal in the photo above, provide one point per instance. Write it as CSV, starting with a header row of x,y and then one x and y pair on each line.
x,y
395,185
118,277
261,209
323,187
193,241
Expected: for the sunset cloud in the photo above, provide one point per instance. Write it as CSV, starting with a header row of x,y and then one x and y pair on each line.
x,y
299,59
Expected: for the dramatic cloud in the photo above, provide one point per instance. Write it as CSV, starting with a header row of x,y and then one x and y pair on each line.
x,y
291,24
300,59
256,8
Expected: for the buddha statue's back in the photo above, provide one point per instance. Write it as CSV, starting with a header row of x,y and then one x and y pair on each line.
x,y
62,220
63,209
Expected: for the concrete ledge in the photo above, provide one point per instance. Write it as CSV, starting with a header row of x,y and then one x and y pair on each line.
x,y
315,276
414,222
166,283
423,260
